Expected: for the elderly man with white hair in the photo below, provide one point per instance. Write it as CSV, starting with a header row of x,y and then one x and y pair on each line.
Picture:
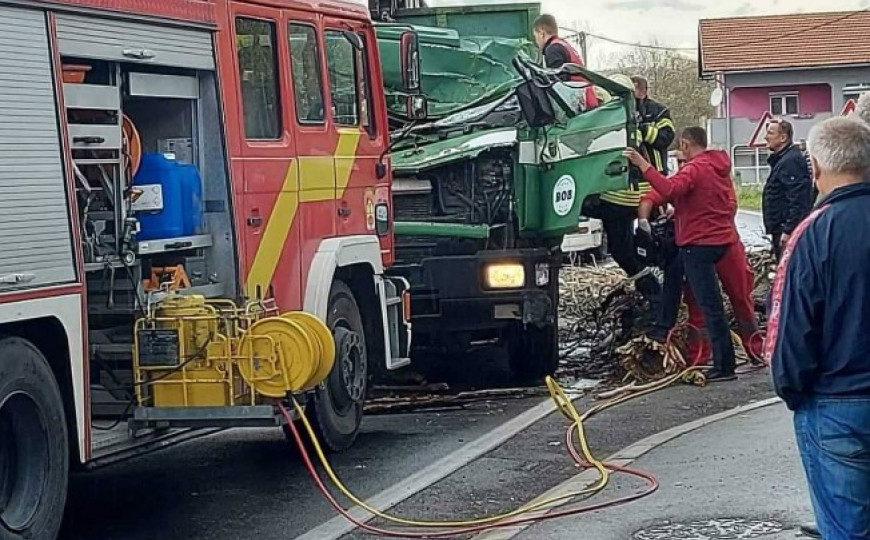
x,y
818,342
862,108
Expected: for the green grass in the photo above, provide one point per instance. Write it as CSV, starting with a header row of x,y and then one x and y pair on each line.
x,y
749,197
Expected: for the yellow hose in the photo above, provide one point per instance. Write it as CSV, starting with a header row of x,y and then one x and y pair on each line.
x,y
563,404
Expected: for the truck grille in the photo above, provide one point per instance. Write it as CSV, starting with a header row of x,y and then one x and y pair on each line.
x,y
412,207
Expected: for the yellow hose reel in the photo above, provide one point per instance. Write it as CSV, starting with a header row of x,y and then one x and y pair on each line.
x,y
291,353
225,355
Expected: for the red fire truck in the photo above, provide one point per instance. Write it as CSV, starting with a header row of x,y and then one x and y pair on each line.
x,y
174,175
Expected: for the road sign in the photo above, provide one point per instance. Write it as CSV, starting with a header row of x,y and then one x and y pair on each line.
x,y
757,139
848,108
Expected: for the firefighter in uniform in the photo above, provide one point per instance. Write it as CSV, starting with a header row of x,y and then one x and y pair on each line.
x,y
618,209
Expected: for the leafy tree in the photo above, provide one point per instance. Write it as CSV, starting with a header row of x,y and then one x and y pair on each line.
x,y
673,80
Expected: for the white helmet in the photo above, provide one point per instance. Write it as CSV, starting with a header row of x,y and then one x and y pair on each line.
x,y
623,80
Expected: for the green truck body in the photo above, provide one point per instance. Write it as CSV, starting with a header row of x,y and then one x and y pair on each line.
x,y
477,190
505,20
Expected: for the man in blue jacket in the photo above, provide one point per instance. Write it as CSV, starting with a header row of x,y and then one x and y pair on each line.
x,y
818,342
788,193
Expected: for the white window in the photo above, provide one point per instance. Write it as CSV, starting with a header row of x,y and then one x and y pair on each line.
x,y
783,104
750,165
854,91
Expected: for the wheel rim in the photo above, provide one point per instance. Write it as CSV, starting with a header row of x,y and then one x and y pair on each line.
x,y
24,461
349,370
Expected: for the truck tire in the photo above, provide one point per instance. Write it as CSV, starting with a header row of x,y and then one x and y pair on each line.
x,y
34,451
533,353
337,407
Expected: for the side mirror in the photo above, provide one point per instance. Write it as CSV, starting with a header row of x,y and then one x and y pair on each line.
x,y
410,62
417,107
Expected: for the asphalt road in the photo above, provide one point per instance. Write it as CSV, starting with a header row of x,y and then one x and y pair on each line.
x,y
740,477
751,228
536,461
251,484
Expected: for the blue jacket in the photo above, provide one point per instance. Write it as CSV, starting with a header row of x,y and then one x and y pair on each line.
x,y
818,340
788,192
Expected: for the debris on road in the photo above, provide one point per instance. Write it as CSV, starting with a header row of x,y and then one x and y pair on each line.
x,y
603,319
417,400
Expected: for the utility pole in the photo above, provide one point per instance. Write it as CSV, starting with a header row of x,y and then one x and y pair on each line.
x,y
581,38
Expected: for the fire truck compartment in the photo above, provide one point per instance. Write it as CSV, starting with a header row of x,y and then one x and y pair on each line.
x,y
146,228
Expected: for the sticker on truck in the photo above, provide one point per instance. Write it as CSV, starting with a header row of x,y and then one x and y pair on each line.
x,y
564,193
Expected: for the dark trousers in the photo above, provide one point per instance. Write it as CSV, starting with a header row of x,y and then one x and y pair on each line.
x,y
618,223
672,294
833,437
737,280
699,264
776,247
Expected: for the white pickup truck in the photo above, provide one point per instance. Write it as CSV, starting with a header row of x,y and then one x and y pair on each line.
x,y
589,238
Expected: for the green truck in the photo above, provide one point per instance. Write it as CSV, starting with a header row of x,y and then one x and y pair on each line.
x,y
486,186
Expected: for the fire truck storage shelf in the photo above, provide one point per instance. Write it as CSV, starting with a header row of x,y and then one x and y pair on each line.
x,y
123,118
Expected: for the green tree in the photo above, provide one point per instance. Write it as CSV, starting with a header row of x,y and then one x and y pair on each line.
x,y
674,81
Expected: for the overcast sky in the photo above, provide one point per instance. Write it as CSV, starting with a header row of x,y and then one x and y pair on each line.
x,y
669,22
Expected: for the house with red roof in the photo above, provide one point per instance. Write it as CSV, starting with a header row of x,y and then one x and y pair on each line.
x,y
801,67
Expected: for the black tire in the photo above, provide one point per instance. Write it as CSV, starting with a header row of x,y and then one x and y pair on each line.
x,y
533,353
337,406
34,450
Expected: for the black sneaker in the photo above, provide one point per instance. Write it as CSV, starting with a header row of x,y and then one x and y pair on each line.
x,y
716,376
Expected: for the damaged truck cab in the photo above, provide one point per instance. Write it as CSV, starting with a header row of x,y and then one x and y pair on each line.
x,y
485,190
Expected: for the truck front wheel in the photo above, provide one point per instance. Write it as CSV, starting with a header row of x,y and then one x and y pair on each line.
x,y
34,453
533,353
337,407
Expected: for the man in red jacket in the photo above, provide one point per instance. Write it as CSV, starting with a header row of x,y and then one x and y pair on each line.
x,y
558,52
705,204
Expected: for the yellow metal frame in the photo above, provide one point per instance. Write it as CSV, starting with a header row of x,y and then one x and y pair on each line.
x,y
226,358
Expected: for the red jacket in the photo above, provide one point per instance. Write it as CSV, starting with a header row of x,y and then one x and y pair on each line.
x,y
702,193
558,52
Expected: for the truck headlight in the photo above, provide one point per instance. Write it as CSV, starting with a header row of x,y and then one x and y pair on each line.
x,y
542,274
505,276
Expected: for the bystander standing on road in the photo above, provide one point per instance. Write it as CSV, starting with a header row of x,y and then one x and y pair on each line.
x,y
806,153
705,204
817,338
862,109
788,193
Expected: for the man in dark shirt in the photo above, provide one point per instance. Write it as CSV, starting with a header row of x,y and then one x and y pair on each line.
x,y
817,341
788,193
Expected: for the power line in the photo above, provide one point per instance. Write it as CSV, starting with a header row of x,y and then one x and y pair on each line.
x,y
780,37
643,45
575,33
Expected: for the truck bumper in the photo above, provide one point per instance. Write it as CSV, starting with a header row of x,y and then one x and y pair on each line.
x,y
589,235
450,295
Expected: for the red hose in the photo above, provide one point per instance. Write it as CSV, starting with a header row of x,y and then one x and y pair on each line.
x,y
411,533
669,342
